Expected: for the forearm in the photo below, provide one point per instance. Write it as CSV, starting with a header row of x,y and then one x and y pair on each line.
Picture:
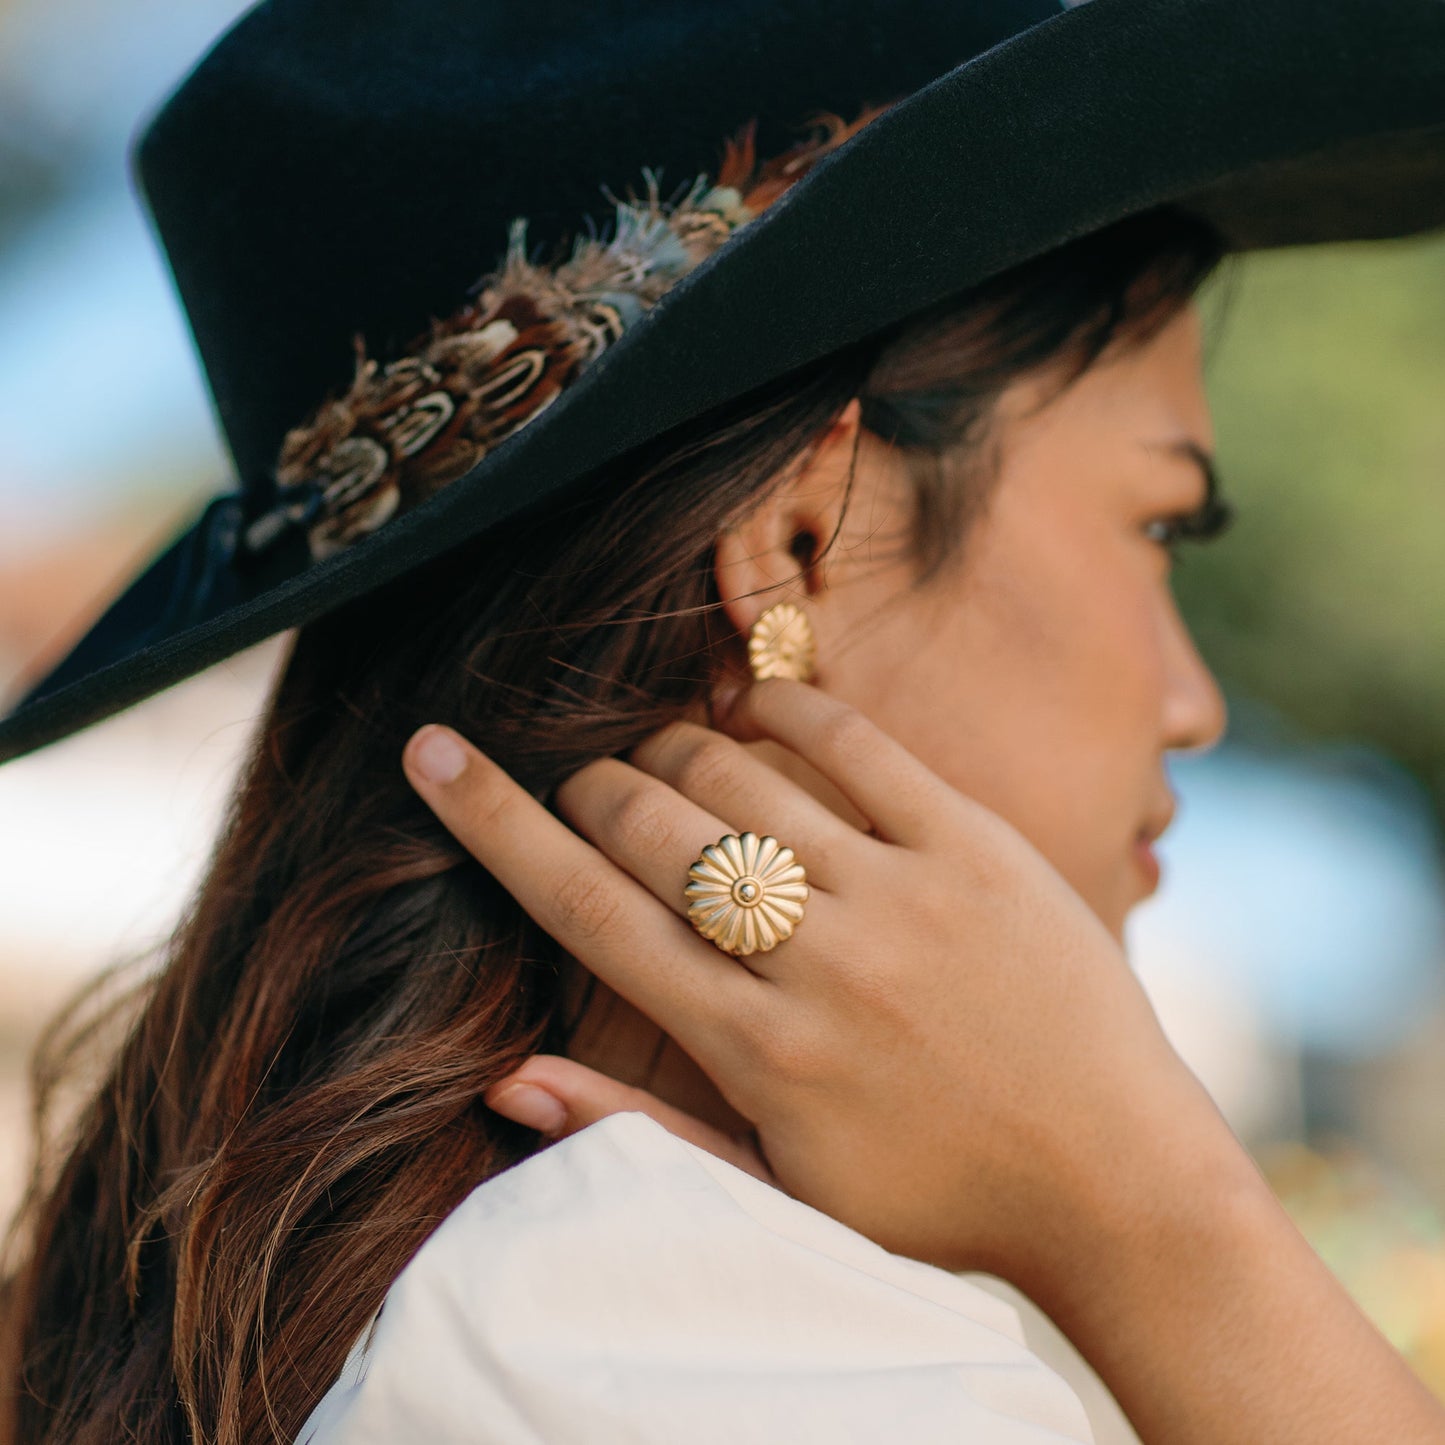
x,y
1212,1320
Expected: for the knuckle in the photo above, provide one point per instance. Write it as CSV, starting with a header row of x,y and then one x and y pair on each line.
x,y
489,808
665,743
846,737
797,1058
788,1049
709,767
987,858
586,905
988,872
915,797
864,987
638,821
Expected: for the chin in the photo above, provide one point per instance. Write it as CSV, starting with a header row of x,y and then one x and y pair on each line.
x,y
1117,924
1112,911
1114,914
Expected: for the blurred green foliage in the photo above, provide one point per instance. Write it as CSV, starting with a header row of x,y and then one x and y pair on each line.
x,y
1326,599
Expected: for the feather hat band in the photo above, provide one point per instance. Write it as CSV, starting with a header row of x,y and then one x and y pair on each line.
x,y
406,428
336,169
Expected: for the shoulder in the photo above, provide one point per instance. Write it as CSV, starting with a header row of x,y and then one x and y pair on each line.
x,y
624,1285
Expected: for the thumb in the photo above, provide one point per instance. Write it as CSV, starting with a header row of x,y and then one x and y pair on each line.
x,y
558,1096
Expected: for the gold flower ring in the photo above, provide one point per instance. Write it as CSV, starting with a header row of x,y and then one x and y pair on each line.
x,y
746,893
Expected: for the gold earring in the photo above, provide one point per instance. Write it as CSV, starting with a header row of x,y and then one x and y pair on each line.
x,y
781,644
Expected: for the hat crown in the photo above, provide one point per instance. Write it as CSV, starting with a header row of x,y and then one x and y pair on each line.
x,y
342,167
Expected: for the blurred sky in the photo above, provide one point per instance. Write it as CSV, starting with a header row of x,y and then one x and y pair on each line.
x,y
99,391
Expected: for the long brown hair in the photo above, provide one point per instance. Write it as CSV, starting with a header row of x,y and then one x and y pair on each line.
x,y
293,1103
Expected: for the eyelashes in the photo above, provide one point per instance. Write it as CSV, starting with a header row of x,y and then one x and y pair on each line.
x,y
1203,524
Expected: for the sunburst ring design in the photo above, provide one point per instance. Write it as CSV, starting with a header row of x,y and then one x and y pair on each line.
x,y
746,893
781,644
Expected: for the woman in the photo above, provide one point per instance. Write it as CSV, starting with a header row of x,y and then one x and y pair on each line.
x,y
968,479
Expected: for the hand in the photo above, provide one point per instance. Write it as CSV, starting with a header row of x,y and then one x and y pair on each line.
x,y
950,1054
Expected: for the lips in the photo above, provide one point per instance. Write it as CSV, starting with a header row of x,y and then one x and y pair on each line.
x,y
1147,863
1143,850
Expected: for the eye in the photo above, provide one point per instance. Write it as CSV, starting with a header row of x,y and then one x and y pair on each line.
x,y
1203,524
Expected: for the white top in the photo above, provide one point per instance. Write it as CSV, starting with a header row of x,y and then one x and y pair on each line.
x,y
624,1287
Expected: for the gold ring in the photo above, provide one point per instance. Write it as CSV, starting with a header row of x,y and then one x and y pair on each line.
x,y
746,894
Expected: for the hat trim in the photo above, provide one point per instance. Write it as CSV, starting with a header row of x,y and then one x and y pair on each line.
x,y
406,428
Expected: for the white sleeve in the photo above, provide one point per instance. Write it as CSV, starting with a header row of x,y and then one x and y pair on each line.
x,y
626,1288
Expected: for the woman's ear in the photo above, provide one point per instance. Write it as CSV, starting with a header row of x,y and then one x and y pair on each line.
x,y
777,552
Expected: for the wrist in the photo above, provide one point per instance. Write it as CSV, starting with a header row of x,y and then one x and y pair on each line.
x,y
1158,1182
1201,1306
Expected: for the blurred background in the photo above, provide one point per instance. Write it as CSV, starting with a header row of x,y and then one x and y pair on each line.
x,y
1296,951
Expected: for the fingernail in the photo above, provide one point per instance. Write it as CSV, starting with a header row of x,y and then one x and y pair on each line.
x,y
526,1104
437,754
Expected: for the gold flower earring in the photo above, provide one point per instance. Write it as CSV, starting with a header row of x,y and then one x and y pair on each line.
x,y
781,644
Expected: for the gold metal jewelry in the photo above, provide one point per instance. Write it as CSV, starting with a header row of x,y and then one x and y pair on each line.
x,y
746,893
781,644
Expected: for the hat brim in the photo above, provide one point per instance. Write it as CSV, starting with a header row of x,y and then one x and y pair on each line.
x,y
1284,124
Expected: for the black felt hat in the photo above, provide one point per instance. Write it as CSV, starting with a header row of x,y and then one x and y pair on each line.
x,y
342,167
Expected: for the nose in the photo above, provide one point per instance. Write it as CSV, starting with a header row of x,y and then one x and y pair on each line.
x,y
1195,714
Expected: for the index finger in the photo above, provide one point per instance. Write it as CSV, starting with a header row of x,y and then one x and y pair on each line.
x,y
902,799
596,911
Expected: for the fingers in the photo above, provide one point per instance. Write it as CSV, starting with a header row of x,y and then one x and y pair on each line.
x,y
657,832
719,774
582,899
902,799
641,825
693,787
558,1097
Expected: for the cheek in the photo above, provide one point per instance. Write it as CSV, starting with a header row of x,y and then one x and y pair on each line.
x,y
1038,692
